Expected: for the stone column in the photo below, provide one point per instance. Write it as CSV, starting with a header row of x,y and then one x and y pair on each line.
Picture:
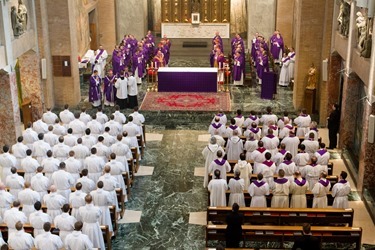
x,y
45,50
131,22
284,20
309,44
10,121
261,17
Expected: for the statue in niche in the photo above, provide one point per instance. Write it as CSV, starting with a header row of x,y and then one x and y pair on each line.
x,y
16,25
361,23
344,18
22,13
311,77
366,51
195,6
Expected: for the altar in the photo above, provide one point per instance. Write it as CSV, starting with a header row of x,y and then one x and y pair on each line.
x,y
183,79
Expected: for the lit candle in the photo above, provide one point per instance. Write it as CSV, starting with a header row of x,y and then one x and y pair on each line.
x,y
152,64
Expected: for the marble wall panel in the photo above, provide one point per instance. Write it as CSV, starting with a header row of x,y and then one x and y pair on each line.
x,y
261,18
131,18
31,82
9,109
350,97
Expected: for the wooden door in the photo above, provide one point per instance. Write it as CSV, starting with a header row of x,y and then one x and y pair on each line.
x,y
93,36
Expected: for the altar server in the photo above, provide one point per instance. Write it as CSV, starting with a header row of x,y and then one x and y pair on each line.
x,y
292,59
298,189
210,153
236,186
284,78
280,192
320,190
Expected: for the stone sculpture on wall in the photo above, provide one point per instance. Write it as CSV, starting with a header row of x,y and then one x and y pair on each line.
x,y
361,23
344,18
19,18
311,77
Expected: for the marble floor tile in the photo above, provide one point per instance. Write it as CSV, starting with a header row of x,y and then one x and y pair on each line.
x,y
153,137
144,171
204,138
198,218
131,216
199,171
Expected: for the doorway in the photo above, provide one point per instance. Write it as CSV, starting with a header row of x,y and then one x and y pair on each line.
x,y
93,30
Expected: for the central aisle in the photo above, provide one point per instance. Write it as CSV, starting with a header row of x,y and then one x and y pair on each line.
x,y
166,198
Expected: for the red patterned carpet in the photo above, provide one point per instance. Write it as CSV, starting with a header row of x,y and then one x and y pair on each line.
x,y
184,101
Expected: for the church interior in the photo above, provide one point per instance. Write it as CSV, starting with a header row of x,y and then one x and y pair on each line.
x,y
45,64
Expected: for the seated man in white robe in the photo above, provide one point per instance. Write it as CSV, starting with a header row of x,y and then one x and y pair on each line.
x,y
116,170
210,153
87,183
89,140
95,126
84,117
50,165
108,138
122,151
61,150
91,216
14,182
70,139
288,166
66,116
28,197
240,119
279,157
6,200
271,142
119,117
266,119
7,161
234,147
64,222
115,127
102,199
252,118
133,130
322,155
236,186
258,190
340,192
38,218
102,150
220,164
19,239
268,169
312,172
222,116
40,183
303,123
259,156
54,202
47,240
233,127
298,189
78,126
80,151
77,200
280,192
314,130
19,150
73,166
49,117
40,127
13,215
245,170
301,159
285,120
40,148
320,191
77,240
110,184
274,128
216,126
311,146
59,129
255,130
250,146
63,181
286,128
291,143
217,188
95,165
50,137
29,136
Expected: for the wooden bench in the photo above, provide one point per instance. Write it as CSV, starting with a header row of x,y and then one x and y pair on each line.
x,y
284,216
309,198
29,229
283,234
136,159
141,145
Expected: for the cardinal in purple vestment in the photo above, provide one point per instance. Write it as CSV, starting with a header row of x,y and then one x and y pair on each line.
x,y
277,45
94,93
109,89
